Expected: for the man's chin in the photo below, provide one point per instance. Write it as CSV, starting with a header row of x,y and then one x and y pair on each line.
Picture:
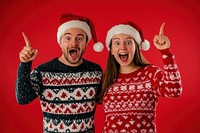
x,y
75,62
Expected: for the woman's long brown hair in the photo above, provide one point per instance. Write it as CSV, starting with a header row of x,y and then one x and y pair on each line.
x,y
112,69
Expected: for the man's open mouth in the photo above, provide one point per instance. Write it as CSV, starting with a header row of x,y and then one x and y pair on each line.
x,y
73,52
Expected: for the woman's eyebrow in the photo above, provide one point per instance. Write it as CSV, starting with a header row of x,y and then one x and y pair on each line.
x,y
115,38
129,37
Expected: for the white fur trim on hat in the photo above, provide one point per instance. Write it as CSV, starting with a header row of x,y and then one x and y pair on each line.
x,y
73,24
98,47
122,29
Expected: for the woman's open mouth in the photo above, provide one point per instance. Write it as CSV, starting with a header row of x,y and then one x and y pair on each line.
x,y
123,57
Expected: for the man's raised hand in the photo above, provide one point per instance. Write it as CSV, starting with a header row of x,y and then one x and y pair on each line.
x,y
27,53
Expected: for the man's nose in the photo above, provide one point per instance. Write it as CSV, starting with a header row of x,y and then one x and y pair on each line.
x,y
73,42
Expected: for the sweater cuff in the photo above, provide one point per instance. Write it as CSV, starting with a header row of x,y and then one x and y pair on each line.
x,y
25,66
166,52
168,57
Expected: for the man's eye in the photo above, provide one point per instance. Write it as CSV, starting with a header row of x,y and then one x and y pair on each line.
x,y
79,38
67,38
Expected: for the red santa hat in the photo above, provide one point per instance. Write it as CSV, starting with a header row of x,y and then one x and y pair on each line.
x,y
70,20
131,29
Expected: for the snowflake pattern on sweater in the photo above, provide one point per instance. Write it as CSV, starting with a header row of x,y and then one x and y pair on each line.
x,y
131,101
67,94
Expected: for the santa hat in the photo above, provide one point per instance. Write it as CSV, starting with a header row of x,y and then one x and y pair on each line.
x,y
131,29
70,20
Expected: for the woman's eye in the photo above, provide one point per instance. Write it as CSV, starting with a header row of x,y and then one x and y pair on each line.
x,y
116,43
128,42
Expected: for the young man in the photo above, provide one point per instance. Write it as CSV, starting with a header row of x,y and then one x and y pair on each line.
x,y
68,85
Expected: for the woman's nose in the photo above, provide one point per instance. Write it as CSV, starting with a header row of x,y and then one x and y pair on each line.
x,y
122,46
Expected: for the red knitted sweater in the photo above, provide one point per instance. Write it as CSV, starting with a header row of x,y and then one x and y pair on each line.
x,y
131,101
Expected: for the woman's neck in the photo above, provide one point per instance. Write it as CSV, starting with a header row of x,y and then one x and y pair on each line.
x,y
128,69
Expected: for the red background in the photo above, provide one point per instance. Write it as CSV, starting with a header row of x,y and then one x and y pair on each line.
x,y
39,20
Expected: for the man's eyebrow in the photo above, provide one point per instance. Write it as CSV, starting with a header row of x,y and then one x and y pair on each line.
x,y
80,35
76,35
67,34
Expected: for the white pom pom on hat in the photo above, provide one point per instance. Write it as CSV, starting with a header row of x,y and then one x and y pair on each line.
x,y
129,28
70,20
145,45
98,47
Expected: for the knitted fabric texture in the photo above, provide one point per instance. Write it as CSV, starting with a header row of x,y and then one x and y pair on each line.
x,y
67,94
131,101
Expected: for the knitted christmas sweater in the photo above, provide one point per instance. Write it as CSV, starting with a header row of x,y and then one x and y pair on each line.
x,y
131,101
67,94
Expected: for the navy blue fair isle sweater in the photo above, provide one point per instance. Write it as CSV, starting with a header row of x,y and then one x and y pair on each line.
x,y
67,94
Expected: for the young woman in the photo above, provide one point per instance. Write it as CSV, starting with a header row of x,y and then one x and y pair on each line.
x,y
131,85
